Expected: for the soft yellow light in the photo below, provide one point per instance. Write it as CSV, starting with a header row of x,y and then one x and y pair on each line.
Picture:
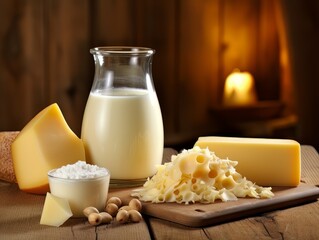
x,y
239,89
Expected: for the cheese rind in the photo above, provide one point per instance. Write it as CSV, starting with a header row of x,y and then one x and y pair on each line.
x,y
45,143
267,162
55,211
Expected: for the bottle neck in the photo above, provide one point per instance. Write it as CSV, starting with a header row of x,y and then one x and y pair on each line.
x,y
122,70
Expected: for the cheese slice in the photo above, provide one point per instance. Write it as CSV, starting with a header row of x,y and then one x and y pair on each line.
x,y
45,143
267,162
55,211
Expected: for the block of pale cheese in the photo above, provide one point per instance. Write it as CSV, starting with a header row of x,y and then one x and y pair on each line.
x,y
55,211
45,143
267,162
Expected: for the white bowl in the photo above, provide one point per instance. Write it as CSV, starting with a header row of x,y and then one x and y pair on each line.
x,y
81,193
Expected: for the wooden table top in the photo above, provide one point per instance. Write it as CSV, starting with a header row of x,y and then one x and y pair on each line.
x,y
20,215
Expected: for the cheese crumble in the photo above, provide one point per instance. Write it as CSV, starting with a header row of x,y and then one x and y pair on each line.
x,y
198,175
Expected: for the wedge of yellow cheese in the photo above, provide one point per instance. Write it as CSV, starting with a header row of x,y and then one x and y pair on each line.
x,y
45,143
267,162
55,211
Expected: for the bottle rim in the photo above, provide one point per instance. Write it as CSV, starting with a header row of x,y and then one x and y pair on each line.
x,y
122,50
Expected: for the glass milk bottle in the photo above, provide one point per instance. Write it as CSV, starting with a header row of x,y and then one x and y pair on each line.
x,y
122,126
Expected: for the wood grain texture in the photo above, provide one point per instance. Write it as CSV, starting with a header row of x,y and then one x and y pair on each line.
x,y
203,215
45,55
298,222
239,28
157,27
197,63
292,223
20,216
162,229
302,37
309,169
67,56
22,68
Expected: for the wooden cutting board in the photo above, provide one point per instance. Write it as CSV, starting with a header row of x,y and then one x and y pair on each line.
x,y
201,215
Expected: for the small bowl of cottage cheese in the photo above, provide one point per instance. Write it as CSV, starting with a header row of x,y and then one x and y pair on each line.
x,y
81,184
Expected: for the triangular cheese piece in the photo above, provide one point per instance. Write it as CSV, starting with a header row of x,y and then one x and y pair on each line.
x,y
55,211
45,143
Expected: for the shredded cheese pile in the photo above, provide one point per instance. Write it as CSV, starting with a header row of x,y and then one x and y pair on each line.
x,y
198,175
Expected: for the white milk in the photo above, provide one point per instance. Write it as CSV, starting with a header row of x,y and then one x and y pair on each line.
x,y
122,131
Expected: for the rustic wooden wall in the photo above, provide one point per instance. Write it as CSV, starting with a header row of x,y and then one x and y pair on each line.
x,y
44,54
301,36
44,59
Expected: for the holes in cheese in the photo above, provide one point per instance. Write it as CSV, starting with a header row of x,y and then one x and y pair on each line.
x,y
45,143
267,162
212,173
55,211
228,182
198,175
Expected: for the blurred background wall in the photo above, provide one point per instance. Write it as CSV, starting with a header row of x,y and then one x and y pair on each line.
x,y
44,58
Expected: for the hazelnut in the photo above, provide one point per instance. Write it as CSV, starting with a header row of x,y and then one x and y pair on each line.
x,y
112,209
122,216
115,200
135,204
87,211
106,217
134,216
95,218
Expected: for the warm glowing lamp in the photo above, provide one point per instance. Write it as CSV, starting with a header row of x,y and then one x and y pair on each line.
x,y
239,89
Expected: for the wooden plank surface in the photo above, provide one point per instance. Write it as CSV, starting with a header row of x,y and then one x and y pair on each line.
x,y
20,219
20,216
202,215
293,223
